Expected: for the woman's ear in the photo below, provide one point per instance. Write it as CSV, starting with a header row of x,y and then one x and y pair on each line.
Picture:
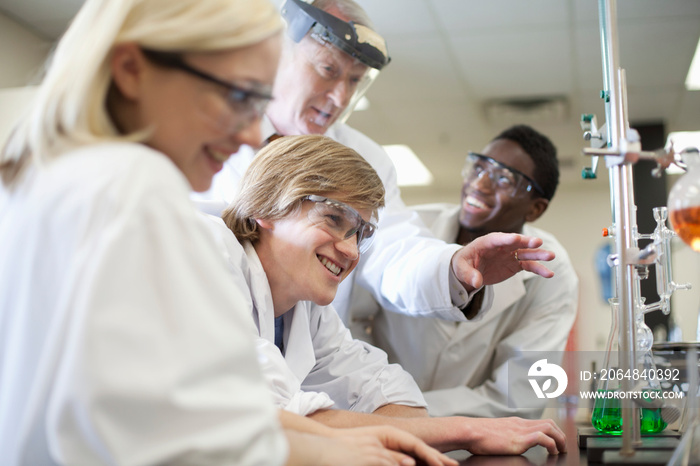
x,y
127,65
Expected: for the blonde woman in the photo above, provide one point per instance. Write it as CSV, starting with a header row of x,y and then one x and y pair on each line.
x,y
305,214
121,339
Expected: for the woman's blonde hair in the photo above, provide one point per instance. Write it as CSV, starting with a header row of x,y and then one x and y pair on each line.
x,y
70,106
292,167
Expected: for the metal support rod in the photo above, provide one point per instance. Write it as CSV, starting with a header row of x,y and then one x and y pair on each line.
x,y
624,216
626,243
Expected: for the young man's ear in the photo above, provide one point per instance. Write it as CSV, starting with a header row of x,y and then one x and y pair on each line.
x,y
537,208
265,224
126,64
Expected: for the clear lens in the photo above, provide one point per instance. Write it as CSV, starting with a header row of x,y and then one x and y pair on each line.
x,y
502,178
346,77
249,104
246,105
341,221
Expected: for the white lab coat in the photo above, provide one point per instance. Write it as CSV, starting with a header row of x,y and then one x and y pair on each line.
x,y
462,367
406,269
122,341
322,366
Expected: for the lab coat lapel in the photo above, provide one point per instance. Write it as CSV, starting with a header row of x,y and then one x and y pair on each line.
x,y
260,294
299,350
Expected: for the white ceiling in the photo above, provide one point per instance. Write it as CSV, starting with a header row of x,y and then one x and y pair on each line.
x,y
450,58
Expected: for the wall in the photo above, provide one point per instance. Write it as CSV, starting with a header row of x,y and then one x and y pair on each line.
x,y
22,54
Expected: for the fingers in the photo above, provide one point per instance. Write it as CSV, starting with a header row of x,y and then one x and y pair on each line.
x,y
396,439
549,436
514,436
542,439
558,435
402,459
432,457
370,452
524,254
529,260
509,240
536,267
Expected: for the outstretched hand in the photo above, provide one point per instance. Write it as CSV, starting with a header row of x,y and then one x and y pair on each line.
x,y
495,257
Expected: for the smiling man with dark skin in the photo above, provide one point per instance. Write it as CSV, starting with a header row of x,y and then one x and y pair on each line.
x,y
463,368
487,208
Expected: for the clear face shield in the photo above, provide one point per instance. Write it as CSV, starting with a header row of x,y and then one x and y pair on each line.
x,y
350,53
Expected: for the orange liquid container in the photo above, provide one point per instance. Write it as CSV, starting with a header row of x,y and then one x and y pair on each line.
x,y
684,201
686,224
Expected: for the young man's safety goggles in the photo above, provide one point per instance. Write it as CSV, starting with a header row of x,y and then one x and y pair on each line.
x,y
341,221
503,178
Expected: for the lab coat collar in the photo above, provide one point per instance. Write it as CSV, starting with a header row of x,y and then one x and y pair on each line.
x,y
260,294
299,351
266,128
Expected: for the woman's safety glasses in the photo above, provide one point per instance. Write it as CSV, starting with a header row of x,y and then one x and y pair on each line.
x,y
341,221
246,105
503,178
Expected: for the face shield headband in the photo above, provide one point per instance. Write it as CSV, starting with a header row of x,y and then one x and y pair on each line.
x,y
355,40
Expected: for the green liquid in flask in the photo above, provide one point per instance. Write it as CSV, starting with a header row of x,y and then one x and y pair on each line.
x,y
607,414
651,420
607,417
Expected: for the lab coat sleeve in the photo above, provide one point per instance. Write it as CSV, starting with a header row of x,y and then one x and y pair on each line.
x,y
356,375
544,327
284,386
162,368
407,269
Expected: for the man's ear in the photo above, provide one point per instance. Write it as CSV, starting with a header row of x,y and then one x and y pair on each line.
x,y
537,208
127,65
264,223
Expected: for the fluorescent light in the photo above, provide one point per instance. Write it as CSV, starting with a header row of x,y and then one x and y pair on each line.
x,y
681,140
692,81
409,169
362,104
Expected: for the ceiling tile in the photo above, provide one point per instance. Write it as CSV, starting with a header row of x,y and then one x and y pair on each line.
x,y
534,63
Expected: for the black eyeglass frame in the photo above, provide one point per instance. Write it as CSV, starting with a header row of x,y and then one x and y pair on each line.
x,y
236,93
515,171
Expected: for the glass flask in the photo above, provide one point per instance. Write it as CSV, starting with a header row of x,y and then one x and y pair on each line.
x,y
684,202
607,412
651,420
607,409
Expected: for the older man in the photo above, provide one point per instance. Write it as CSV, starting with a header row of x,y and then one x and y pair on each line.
x,y
463,369
332,55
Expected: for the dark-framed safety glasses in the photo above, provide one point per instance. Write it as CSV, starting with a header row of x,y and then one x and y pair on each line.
x,y
341,221
503,178
247,104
